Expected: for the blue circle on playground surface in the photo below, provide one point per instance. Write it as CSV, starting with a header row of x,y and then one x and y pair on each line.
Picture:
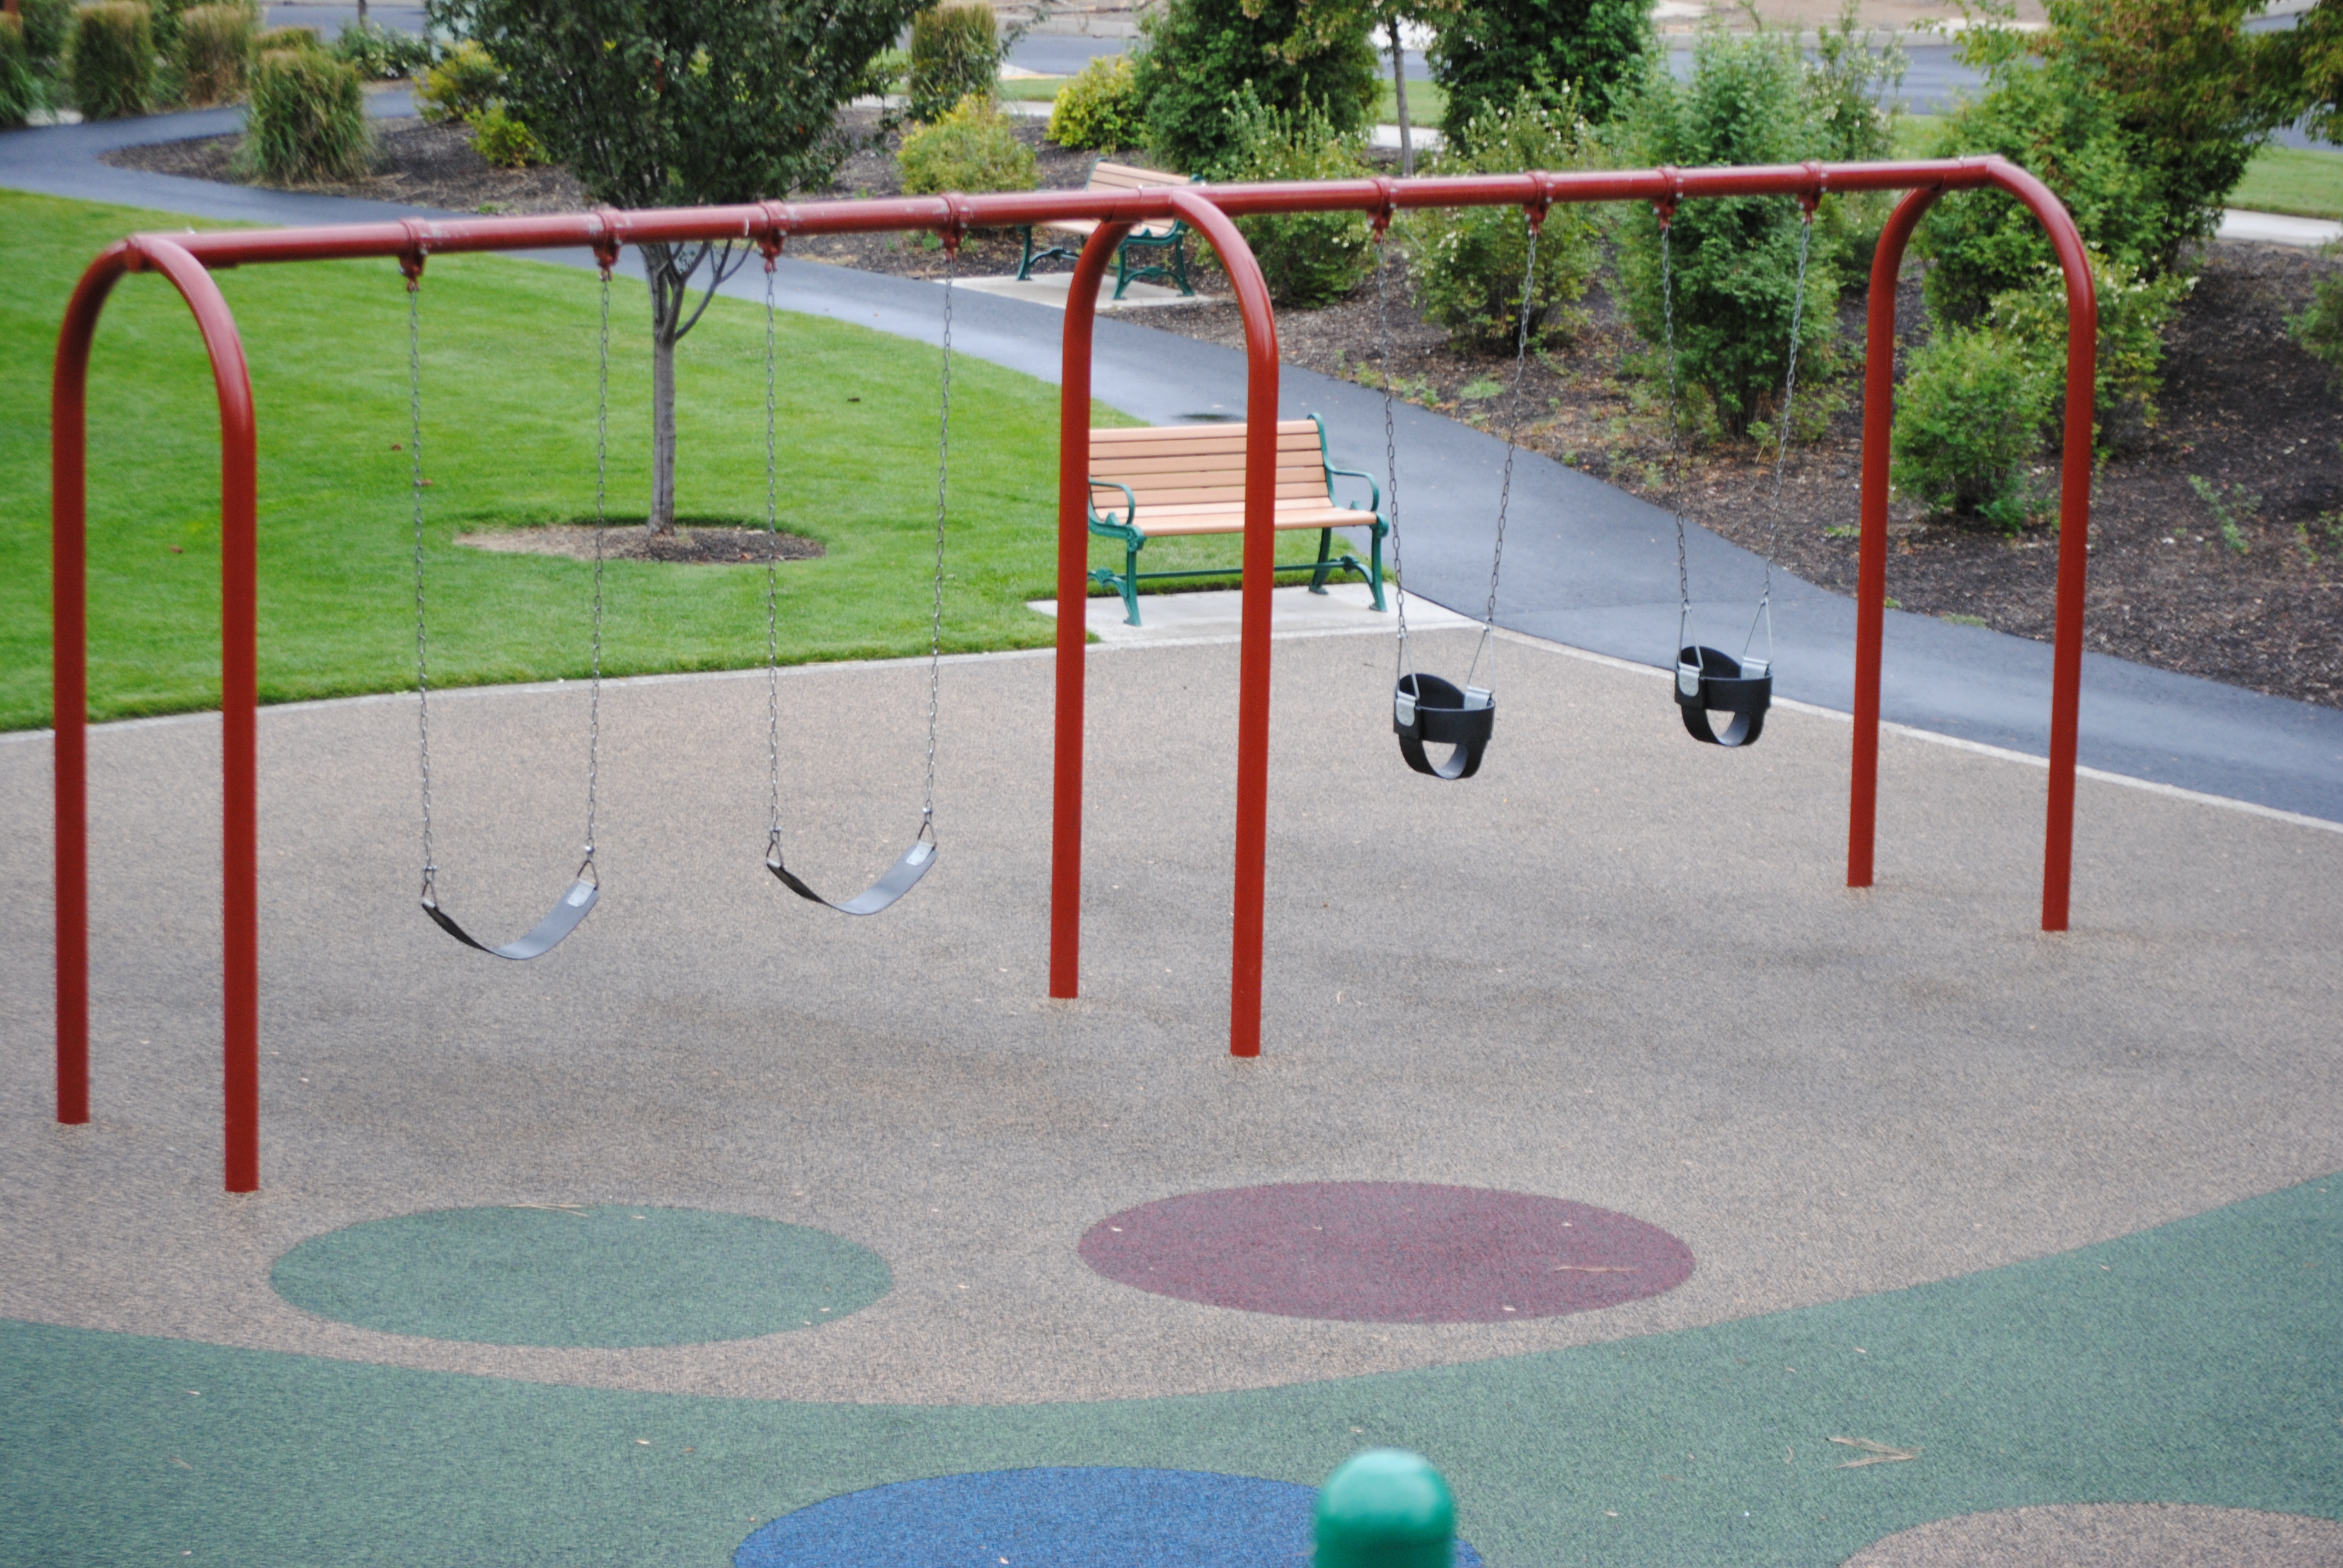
x,y
570,1276
1062,1517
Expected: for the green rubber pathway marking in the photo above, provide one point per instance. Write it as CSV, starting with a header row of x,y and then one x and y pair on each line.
x,y
607,1277
2199,1362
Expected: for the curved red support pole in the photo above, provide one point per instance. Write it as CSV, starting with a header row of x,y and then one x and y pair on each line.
x,y
1871,560
2073,522
1073,601
239,689
1259,563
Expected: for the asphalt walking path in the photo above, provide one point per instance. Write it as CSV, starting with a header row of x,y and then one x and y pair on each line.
x,y
1585,564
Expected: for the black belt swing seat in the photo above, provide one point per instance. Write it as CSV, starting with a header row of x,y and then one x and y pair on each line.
x,y
584,889
1709,681
916,861
1427,710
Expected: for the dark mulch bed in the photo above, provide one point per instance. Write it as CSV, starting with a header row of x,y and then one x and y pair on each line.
x,y
691,544
2243,406
416,164
2243,409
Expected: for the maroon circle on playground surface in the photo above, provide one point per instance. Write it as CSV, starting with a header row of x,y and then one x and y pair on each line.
x,y
1387,1253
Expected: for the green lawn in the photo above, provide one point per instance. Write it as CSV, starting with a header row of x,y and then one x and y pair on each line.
x,y
1032,89
1425,101
2305,182
508,376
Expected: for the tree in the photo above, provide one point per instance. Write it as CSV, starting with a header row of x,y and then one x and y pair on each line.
x,y
1488,52
682,103
1200,54
2309,67
1322,23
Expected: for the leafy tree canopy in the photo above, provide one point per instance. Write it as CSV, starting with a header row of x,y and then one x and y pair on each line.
x,y
666,102
1488,52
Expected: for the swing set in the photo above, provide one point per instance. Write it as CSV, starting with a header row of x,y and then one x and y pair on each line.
x,y
1426,708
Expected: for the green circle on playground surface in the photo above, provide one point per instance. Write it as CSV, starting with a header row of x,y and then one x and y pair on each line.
x,y
610,1277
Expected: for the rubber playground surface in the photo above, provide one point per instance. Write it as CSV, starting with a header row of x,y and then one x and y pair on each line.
x,y
1683,1206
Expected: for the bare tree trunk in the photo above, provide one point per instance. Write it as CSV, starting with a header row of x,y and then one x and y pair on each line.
x,y
667,292
362,5
1399,95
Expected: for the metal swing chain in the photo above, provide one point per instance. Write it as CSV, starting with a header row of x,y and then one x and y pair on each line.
x,y
1782,448
601,495
1675,432
772,592
1506,485
1407,654
414,486
943,470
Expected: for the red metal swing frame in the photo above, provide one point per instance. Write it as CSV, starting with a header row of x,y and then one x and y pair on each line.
x,y
188,260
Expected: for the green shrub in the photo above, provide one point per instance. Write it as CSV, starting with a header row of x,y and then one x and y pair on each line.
x,y
1306,258
2319,327
215,53
1734,258
1467,262
462,85
278,40
20,88
2139,115
1851,86
113,59
1585,57
1098,109
2133,313
381,54
1968,422
503,140
972,147
48,33
955,50
1200,54
307,120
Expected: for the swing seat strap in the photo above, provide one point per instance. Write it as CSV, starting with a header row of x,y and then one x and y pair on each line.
x,y
543,938
1426,709
1710,682
900,879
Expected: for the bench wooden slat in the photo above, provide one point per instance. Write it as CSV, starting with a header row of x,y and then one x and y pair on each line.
x,y
1230,469
1185,525
1176,435
1105,498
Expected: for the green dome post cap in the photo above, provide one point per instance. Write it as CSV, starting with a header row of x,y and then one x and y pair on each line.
x,y
1386,1508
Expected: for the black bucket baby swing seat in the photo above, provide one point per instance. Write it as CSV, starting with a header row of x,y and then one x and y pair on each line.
x,y
577,902
1427,710
1723,700
916,860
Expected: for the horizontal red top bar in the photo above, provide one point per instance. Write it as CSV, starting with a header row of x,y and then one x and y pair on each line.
x,y
774,221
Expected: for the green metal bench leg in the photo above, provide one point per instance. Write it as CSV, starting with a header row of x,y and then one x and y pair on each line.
x,y
1318,578
1025,262
1179,264
1375,561
1130,584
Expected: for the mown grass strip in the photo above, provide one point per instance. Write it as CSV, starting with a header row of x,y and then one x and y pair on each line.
x,y
508,365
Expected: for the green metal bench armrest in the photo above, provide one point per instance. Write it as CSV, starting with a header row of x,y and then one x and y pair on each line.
x,y
1374,490
1107,525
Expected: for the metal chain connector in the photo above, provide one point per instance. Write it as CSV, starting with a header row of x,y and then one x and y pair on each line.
x,y
1407,654
943,471
601,495
1488,645
772,590
1782,447
414,487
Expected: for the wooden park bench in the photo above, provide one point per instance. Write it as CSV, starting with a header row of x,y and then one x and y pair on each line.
x,y
1175,480
1163,236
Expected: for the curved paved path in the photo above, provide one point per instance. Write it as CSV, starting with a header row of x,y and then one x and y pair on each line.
x,y
1586,565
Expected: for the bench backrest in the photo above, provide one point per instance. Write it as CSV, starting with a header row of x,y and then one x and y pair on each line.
x,y
1107,176
1201,465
